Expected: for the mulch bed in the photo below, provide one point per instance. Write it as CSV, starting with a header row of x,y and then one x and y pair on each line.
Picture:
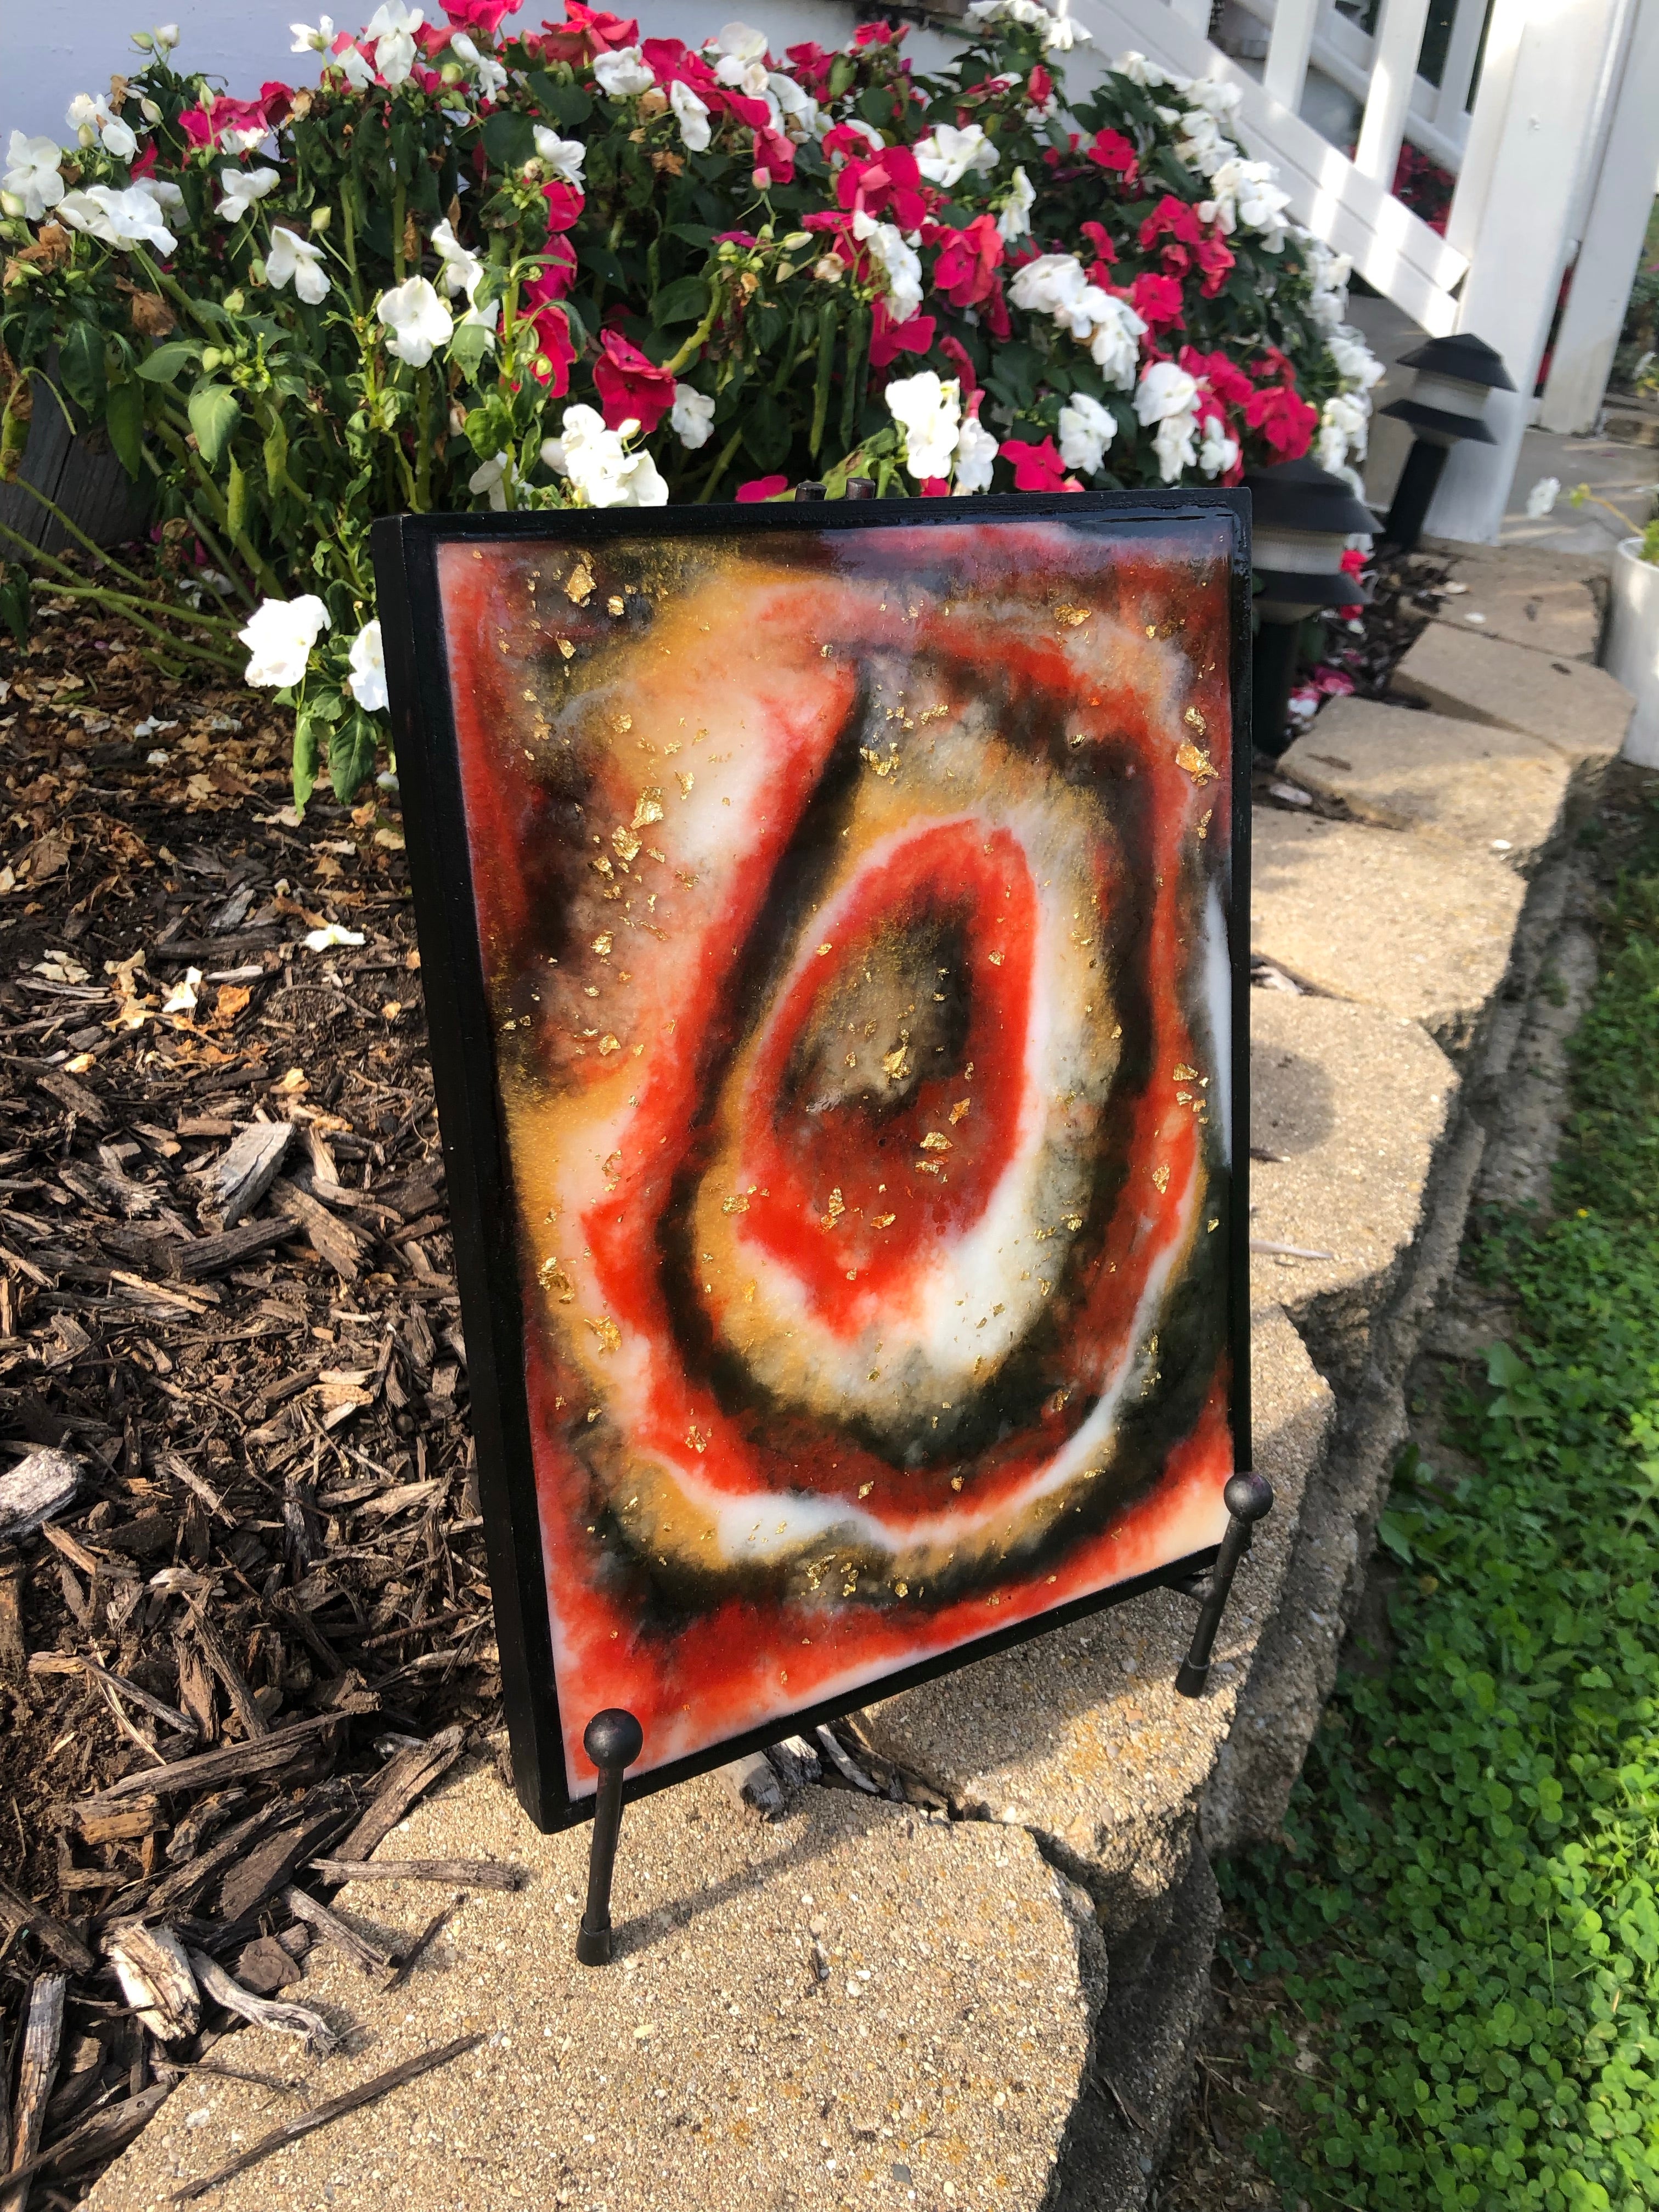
x,y
275,1557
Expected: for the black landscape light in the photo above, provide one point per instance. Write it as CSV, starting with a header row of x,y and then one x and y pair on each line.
x,y
1445,407
1303,517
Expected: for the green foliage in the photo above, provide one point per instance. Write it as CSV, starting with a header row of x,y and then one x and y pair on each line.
x,y
1469,1913
15,599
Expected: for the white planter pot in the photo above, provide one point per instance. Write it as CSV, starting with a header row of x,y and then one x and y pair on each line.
x,y
1631,652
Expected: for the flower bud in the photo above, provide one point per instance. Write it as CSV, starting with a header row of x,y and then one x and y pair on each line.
x,y
165,36
150,112
829,269
796,239
11,205
235,303
452,73
211,357
321,218
141,39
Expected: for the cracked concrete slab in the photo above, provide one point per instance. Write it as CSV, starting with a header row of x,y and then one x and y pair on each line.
x,y
1081,1737
1542,602
932,2060
1376,915
1466,784
1580,709
1350,1103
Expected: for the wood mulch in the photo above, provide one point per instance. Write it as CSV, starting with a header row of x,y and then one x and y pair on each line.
x,y
263,1626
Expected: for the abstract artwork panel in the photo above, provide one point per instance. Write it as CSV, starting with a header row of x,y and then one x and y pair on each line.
x,y
853,908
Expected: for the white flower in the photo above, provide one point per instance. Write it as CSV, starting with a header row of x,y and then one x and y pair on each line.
x,y
330,934
279,636
308,40
1046,285
242,188
600,467
392,28
1540,500
126,218
461,270
358,73
1344,428
368,678
692,420
1062,33
300,259
692,116
1203,145
1355,362
899,262
1173,441
741,41
1014,219
1328,273
562,157
165,37
1086,429
1244,192
488,71
976,450
1140,70
622,74
801,111
945,156
1115,344
90,117
929,412
493,476
1217,452
417,319
1222,100
1165,390
33,176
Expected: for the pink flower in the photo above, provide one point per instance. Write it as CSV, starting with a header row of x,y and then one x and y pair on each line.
x,y
587,31
1215,258
957,355
673,62
553,348
1171,217
1286,421
879,34
1037,468
1105,253
1112,151
967,260
207,124
812,66
630,385
480,14
1336,683
564,205
1158,301
1040,87
1224,378
888,183
888,339
761,488
936,487
736,238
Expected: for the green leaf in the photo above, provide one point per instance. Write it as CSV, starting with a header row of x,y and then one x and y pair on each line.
x,y
163,365
684,300
307,757
567,104
843,71
468,347
875,105
214,415
124,418
509,139
81,365
693,234
351,755
595,255
15,601
766,431
275,455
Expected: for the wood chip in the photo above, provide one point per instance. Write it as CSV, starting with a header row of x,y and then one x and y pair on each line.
x,y
205,1769
154,1970
42,2038
47,1482
465,1873
402,1781
246,1169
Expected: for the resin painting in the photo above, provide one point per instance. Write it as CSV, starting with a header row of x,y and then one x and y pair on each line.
x,y
851,915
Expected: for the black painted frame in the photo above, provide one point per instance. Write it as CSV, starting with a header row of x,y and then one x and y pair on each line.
x,y
463,1064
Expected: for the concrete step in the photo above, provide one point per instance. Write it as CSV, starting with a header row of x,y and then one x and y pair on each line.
x,y
1524,603
1484,790
1583,711
1391,920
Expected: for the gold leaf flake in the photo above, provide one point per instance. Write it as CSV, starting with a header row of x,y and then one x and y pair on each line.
x,y
1071,616
883,768
959,1110
894,1063
836,1208
1196,763
615,605
1194,719
625,723
864,1488
955,1482
901,1589
606,1330
602,943
1074,1222
1204,825
647,810
996,959
737,1204
624,841
930,1167
1161,1177
698,1438
933,1142
825,950
552,1277
566,648
607,1046
604,865
1183,1074
883,1220
578,584
684,778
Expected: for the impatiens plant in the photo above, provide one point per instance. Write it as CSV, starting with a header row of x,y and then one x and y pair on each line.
x,y
477,264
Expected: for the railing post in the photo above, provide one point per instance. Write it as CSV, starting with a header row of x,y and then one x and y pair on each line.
x,y
1394,71
1614,226
1291,42
1516,196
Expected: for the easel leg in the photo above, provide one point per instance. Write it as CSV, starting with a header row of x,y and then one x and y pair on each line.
x,y
1249,1497
613,1740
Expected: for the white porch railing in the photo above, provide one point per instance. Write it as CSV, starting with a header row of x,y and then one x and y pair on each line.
x,y
1546,111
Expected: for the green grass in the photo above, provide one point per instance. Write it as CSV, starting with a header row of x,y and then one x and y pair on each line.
x,y
1469,1914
